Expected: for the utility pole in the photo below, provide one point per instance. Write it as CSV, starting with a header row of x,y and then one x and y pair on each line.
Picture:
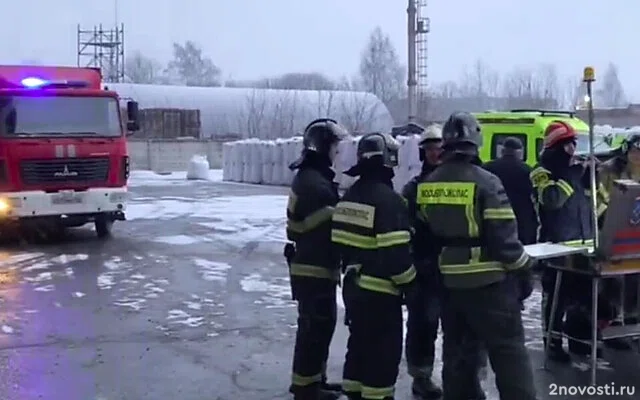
x,y
411,62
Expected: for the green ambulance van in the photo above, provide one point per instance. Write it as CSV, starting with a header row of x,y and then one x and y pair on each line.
x,y
529,126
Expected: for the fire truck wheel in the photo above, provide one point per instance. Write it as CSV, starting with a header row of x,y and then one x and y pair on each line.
x,y
103,227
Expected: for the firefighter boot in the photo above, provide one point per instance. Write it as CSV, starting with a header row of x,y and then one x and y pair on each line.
x,y
556,352
331,386
317,395
314,392
478,392
424,388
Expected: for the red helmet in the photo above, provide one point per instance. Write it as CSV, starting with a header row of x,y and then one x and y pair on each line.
x,y
558,131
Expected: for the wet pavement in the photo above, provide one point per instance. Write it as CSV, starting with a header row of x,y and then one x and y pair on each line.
x,y
189,300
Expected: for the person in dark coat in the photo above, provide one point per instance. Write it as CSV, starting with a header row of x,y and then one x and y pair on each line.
x,y
314,268
514,174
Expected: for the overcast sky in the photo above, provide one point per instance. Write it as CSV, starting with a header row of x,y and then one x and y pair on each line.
x,y
253,38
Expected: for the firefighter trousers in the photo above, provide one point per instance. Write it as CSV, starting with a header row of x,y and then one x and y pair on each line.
x,y
317,314
489,316
374,348
422,331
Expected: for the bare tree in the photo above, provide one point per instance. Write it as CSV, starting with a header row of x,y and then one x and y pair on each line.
x,y
299,81
446,90
253,115
192,67
611,92
282,118
380,69
142,69
326,100
480,81
357,114
350,84
573,93
531,88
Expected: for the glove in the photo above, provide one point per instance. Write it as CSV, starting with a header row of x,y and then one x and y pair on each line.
x,y
349,290
524,279
289,251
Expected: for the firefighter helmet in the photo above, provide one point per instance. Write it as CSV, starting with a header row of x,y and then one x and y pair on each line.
x,y
433,133
378,146
321,133
460,128
558,132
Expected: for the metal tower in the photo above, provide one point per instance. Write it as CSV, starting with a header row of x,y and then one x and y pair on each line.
x,y
104,49
422,31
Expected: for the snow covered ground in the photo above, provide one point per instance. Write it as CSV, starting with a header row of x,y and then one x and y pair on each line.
x,y
197,274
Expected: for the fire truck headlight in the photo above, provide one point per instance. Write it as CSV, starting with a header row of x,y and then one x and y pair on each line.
x,y
33,82
5,206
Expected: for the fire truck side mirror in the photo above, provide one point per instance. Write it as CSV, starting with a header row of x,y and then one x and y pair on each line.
x,y
133,117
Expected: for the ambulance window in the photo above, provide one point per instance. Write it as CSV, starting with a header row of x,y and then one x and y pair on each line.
x,y
499,138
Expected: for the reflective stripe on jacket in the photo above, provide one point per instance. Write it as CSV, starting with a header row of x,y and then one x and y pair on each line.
x,y
312,199
468,211
371,228
564,204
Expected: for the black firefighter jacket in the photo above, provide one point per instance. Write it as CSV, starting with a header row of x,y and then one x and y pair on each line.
x,y
564,204
371,228
514,175
425,250
312,199
468,211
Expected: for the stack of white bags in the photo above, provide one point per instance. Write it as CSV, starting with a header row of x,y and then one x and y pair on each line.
x,y
267,162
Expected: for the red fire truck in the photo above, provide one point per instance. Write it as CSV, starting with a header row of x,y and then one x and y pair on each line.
x,y
63,148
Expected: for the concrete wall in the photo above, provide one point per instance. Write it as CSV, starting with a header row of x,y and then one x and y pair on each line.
x,y
167,155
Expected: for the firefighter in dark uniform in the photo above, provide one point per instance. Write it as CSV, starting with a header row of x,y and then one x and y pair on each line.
x,y
313,267
624,165
423,319
514,175
486,272
371,229
561,184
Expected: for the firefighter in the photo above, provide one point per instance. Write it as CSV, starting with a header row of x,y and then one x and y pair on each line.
x,y
561,184
424,318
514,175
625,165
314,269
486,272
371,229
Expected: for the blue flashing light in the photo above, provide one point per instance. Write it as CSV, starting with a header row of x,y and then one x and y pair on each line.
x,y
33,82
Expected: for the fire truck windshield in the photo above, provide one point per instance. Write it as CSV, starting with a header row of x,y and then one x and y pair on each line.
x,y
59,116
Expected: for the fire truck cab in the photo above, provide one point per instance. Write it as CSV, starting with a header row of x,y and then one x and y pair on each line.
x,y
63,148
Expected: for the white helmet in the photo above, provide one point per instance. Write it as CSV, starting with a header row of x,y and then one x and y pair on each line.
x,y
432,133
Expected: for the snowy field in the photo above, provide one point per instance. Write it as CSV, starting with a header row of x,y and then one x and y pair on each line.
x,y
190,299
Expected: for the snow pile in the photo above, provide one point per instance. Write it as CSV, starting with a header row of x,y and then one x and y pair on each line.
x,y
267,161
608,129
198,168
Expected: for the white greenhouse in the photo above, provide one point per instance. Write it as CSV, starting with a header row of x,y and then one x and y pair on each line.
x,y
262,113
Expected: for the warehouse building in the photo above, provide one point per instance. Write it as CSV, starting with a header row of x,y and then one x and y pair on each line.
x,y
261,113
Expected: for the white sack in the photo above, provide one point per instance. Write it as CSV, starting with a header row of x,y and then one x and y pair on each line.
x,y
267,162
246,157
278,162
198,168
226,161
255,161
